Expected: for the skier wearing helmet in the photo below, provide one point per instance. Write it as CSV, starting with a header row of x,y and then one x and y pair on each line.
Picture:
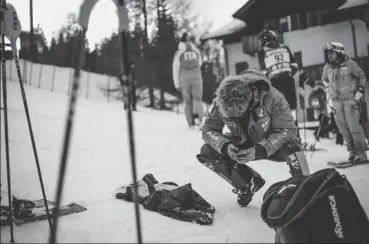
x,y
279,64
346,84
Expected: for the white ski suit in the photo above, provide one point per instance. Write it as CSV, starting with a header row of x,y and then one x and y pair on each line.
x,y
188,78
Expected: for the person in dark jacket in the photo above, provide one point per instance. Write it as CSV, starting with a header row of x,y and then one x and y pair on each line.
x,y
279,64
261,127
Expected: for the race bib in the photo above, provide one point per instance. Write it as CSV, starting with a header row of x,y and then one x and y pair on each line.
x,y
190,55
277,59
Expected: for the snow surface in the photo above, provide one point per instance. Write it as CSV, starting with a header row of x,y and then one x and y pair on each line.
x,y
99,162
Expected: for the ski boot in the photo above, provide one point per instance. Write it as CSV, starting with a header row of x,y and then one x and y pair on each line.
x,y
351,157
23,208
4,215
197,122
359,158
246,193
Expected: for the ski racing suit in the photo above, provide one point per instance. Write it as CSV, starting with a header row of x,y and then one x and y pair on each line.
x,y
188,78
278,63
342,80
268,126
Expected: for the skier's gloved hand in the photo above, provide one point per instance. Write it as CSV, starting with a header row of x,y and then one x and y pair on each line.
x,y
230,150
359,93
245,155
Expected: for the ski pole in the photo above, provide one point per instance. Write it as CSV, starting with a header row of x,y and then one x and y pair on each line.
x,y
25,104
6,129
320,127
80,42
127,82
10,21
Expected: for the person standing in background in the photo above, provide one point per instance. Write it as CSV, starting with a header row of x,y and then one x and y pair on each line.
x,y
346,83
187,79
279,64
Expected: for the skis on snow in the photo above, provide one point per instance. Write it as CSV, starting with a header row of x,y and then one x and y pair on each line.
x,y
346,164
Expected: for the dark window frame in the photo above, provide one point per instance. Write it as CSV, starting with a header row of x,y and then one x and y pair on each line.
x,y
241,66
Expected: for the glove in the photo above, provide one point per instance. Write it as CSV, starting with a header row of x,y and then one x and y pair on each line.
x,y
359,93
231,151
245,155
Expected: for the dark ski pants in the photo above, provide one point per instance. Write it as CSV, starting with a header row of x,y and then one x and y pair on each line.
x,y
240,176
327,125
285,83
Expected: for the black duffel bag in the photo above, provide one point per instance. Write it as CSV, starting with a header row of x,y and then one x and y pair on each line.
x,y
320,208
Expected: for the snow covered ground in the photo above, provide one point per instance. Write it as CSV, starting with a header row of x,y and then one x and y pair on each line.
x,y
99,163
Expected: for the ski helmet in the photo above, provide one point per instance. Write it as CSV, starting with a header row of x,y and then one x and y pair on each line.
x,y
334,47
268,38
184,37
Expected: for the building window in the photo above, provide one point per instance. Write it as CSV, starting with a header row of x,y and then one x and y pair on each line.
x,y
271,24
283,24
241,66
366,17
298,57
313,18
295,22
303,20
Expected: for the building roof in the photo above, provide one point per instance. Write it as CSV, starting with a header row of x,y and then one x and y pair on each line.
x,y
231,27
267,9
353,3
237,25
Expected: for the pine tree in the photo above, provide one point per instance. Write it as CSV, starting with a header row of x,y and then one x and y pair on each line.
x,y
165,47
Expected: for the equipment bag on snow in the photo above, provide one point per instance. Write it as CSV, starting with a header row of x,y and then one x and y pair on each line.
x,y
317,99
322,207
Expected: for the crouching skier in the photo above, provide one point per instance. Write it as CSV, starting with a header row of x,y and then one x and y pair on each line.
x,y
261,127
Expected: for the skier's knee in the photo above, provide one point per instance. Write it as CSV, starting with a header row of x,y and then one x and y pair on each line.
x,y
208,152
292,146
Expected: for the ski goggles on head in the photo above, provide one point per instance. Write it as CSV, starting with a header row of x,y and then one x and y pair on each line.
x,y
330,47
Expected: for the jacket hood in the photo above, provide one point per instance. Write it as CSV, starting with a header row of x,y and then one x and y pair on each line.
x,y
235,93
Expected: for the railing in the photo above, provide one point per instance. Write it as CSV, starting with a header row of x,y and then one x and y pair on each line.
x,y
59,79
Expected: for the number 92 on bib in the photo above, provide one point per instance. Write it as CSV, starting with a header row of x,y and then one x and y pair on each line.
x,y
277,58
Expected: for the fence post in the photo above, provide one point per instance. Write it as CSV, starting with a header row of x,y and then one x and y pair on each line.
x,y
10,70
39,76
108,95
88,84
30,74
24,71
70,79
53,79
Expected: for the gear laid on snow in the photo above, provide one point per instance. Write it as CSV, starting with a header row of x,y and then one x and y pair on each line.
x,y
28,211
167,198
